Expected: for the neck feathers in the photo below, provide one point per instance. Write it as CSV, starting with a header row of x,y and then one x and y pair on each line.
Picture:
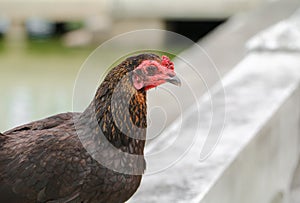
x,y
120,113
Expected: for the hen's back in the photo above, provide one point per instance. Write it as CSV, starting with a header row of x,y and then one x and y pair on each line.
x,y
33,162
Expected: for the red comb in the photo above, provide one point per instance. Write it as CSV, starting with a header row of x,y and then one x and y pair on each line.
x,y
165,61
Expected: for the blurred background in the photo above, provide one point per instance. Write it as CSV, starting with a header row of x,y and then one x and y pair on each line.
x,y
44,43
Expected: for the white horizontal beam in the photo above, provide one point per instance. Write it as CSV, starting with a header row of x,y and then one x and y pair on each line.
x,y
170,9
178,9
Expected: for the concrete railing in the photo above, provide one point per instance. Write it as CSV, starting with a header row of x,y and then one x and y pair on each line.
x,y
189,9
257,151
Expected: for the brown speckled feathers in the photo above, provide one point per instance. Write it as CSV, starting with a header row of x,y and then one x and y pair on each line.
x,y
45,161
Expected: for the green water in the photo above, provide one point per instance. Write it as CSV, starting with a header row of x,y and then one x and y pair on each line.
x,y
36,79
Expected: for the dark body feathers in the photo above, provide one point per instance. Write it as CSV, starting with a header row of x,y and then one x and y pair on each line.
x,y
69,157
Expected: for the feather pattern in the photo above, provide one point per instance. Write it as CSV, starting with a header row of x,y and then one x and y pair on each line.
x,y
48,160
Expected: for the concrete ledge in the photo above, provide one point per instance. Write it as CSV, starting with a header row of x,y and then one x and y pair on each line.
x,y
256,156
263,170
258,150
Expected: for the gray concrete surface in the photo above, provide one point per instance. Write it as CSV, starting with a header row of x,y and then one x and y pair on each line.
x,y
255,157
282,37
295,186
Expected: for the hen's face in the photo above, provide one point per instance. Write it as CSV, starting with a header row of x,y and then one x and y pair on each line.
x,y
151,73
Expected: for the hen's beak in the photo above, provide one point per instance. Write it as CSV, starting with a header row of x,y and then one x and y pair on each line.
x,y
174,80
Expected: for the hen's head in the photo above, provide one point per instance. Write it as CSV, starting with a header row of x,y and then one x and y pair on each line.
x,y
149,71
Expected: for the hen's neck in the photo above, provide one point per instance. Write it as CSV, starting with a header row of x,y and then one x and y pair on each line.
x,y
118,111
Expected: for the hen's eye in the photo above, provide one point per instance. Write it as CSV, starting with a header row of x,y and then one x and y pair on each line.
x,y
151,70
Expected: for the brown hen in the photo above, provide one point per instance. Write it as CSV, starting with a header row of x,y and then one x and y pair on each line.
x,y
94,156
